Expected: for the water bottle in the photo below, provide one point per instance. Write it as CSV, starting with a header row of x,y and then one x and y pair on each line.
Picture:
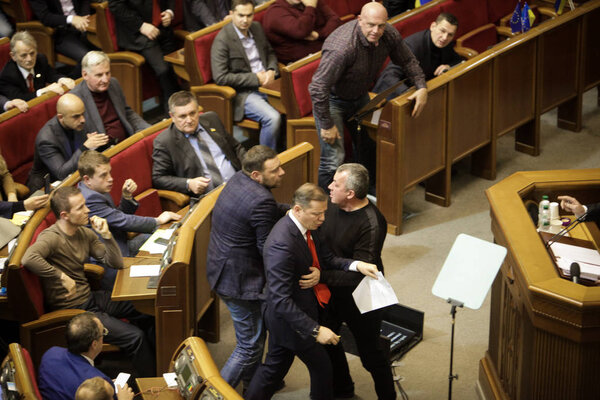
x,y
544,221
541,205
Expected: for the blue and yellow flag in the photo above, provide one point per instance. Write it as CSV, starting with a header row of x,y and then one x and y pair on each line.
x,y
559,5
527,18
515,20
419,3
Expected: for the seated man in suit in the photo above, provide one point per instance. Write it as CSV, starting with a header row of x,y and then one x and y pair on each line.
x,y
60,142
98,389
432,49
96,184
62,370
145,27
241,57
57,257
199,14
297,28
27,74
106,110
8,208
195,154
292,310
70,20
6,104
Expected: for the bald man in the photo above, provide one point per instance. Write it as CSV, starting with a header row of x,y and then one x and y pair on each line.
x,y
352,56
61,141
98,389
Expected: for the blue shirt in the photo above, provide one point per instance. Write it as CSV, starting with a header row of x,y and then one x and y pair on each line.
x,y
251,51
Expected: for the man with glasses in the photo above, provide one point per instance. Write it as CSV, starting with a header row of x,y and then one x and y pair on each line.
x,y
62,370
57,257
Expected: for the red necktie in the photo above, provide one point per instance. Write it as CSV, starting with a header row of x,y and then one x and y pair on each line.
x,y
156,18
321,290
30,82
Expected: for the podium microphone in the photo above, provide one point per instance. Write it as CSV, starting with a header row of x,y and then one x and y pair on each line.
x,y
565,230
575,272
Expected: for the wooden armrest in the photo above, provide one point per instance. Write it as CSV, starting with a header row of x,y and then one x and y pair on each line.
x,y
129,56
465,52
180,199
347,18
93,270
212,89
22,190
548,12
505,31
35,26
52,318
459,41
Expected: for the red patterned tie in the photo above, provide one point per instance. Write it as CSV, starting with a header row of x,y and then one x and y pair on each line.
x,y
156,18
321,290
30,83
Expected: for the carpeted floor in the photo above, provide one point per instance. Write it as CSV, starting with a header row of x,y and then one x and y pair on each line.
x,y
414,259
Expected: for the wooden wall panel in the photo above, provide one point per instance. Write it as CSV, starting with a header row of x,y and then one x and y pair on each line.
x,y
424,144
390,191
557,65
591,49
469,111
514,94
304,130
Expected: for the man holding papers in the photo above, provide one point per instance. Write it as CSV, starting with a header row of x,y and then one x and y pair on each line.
x,y
354,228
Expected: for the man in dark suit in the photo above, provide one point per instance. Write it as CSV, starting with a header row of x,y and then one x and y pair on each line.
x,y
95,185
199,14
60,142
354,228
242,218
241,57
106,110
28,74
195,154
70,19
431,47
146,29
292,310
62,370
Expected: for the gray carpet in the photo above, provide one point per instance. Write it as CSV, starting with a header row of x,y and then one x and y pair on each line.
x,y
414,259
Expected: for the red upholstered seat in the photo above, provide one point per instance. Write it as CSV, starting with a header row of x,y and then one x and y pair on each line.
x,y
4,51
340,7
301,77
31,371
499,8
418,22
17,137
135,162
471,14
202,46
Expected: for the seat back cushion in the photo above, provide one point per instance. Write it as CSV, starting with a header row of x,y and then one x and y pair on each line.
x,y
301,77
471,14
483,40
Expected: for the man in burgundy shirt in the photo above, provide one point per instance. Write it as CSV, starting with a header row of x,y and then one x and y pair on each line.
x,y
352,56
297,28
105,108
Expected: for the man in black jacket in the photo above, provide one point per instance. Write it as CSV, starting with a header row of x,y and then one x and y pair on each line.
x,y
431,47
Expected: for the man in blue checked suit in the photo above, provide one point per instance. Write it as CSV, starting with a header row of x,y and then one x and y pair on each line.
x,y
242,219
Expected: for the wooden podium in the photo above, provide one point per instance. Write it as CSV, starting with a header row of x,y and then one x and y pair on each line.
x,y
544,338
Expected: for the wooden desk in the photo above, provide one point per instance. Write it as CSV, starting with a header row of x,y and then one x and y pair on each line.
x,y
156,389
177,60
544,338
131,289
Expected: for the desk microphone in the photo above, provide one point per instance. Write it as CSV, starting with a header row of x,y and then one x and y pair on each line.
x,y
575,272
565,230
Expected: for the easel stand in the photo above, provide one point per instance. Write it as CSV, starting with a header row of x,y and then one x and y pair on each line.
x,y
452,376
466,278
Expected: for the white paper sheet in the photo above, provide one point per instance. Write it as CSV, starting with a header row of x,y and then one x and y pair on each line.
x,y
373,294
156,248
140,270
170,379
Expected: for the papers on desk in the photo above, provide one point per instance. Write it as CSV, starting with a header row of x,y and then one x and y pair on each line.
x,y
157,242
20,218
373,294
170,379
137,271
588,259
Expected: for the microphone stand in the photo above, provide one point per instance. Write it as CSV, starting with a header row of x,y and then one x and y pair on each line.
x,y
566,230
